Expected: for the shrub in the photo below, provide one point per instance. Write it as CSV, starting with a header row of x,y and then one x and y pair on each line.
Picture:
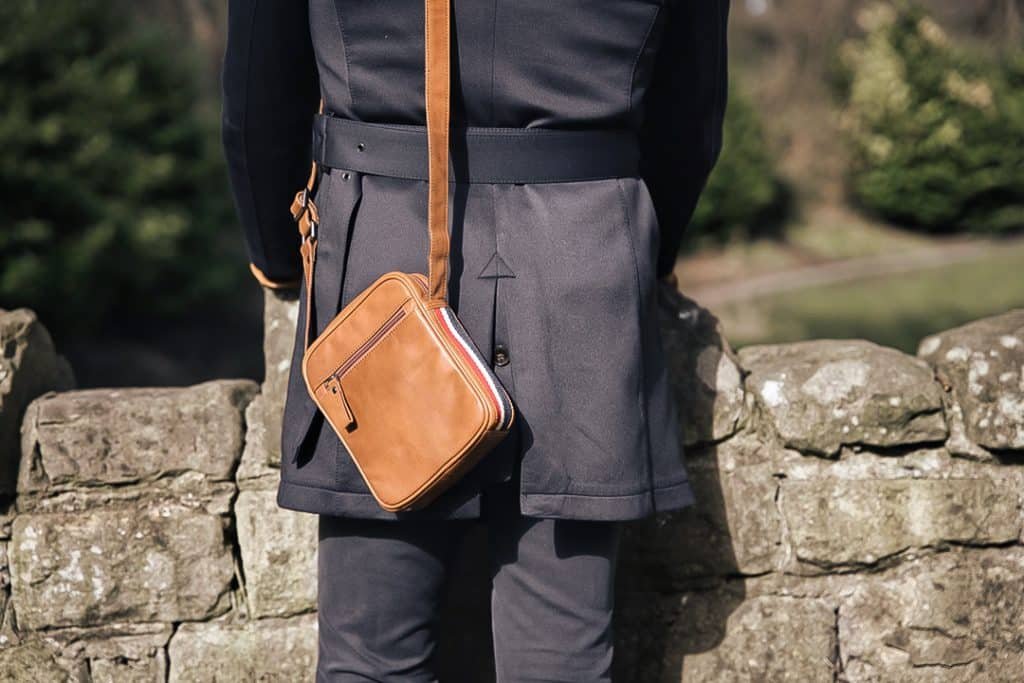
x,y
112,195
936,130
744,196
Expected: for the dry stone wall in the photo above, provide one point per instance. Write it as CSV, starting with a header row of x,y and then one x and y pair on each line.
x,y
859,518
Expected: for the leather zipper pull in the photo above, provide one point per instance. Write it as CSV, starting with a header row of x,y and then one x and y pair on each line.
x,y
334,386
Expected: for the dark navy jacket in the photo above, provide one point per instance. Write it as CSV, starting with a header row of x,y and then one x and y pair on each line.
x,y
559,276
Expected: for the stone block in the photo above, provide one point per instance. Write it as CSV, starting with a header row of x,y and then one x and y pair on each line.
x,y
820,395
950,617
262,650
722,635
734,528
278,549
703,369
29,367
121,653
32,661
280,317
118,653
158,562
8,634
129,671
982,363
834,523
767,638
263,442
116,436
190,490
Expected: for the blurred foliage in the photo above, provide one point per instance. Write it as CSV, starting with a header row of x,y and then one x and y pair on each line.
x,y
113,198
744,196
936,130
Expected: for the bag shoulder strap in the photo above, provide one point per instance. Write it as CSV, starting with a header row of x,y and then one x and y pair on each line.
x,y
437,80
437,95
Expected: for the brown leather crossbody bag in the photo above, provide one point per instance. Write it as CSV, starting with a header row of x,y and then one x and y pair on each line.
x,y
394,373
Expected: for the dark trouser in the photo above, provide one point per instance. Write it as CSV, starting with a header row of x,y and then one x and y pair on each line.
x,y
381,584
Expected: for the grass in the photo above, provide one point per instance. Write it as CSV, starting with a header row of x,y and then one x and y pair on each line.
x,y
828,233
895,311
838,233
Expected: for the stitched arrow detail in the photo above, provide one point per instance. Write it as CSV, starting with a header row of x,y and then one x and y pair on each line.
x,y
495,268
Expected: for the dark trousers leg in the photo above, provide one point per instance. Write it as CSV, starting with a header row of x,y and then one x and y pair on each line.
x,y
381,585
379,597
553,595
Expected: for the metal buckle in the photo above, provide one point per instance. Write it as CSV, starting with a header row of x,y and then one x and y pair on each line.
x,y
311,235
305,203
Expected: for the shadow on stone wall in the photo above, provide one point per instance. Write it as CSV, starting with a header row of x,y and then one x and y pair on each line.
x,y
662,587
859,518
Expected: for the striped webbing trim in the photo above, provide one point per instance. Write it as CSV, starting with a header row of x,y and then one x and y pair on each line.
x,y
497,393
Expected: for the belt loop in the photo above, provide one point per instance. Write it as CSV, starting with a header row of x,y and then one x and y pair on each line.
x,y
322,125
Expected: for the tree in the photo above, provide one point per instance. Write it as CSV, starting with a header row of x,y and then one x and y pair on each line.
x,y
112,194
934,127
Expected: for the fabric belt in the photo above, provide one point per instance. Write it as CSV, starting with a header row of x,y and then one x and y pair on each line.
x,y
478,154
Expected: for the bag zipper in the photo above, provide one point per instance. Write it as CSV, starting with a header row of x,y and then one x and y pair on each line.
x,y
335,388
333,381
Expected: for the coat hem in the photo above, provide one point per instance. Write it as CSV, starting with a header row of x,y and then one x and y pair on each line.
x,y
608,508
315,500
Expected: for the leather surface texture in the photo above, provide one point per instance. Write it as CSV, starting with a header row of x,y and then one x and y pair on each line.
x,y
412,409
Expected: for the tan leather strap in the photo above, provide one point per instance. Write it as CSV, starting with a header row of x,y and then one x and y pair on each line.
x,y
305,213
437,80
307,217
437,84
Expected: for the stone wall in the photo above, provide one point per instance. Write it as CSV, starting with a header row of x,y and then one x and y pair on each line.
x,y
859,519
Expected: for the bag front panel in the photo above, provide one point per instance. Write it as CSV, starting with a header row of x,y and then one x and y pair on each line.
x,y
347,333
415,413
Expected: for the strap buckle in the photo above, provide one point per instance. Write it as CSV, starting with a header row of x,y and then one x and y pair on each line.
x,y
305,214
310,210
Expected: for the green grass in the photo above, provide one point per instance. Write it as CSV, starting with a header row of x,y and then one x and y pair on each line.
x,y
825,234
840,234
896,311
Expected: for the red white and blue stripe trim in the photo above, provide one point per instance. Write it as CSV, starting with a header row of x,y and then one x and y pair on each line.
x,y
464,342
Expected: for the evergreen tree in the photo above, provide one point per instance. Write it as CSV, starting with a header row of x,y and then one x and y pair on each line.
x,y
936,130
113,198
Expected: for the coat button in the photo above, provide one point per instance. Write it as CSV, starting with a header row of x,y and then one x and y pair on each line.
x,y
501,356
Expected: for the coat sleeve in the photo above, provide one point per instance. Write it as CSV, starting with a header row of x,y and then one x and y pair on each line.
x,y
684,106
270,94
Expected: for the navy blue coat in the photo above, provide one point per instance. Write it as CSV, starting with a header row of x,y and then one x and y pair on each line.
x,y
559,278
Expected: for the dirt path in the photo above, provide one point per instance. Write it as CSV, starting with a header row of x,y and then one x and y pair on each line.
x,y
849,270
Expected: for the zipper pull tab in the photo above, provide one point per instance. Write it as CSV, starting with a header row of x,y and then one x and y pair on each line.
x,y
334,386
